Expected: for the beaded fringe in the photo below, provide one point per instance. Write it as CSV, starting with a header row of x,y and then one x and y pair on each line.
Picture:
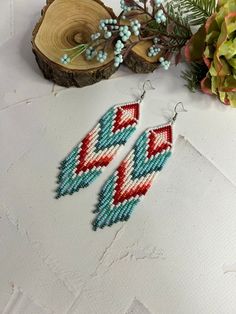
x,y
87,160
134,177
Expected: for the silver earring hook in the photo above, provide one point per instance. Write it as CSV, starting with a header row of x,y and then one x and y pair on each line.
x,y
176,111
147,85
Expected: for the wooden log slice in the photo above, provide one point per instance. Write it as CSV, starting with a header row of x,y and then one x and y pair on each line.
x,y
138,60
64,24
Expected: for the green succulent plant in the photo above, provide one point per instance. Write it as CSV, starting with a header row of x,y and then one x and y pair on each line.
x,y
215,45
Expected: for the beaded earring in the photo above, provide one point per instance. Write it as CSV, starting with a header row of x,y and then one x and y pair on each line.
x,y
134,177
94,153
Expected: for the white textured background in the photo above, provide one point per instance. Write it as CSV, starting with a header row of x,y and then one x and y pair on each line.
x,y
176,255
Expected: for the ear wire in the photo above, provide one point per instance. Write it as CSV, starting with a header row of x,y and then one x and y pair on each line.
x,y
147,85
177,111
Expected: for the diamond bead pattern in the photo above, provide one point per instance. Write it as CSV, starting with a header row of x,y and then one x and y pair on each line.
x,y
87,160
134,177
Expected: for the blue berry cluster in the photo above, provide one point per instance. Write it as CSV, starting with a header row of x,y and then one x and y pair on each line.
x,y
107,26
165,63
124,33
95,36
107,34
156,40
118,47
65,59
135,26
160,17
126,8
90,53
103,25
101,56
153,51
118,56
158,2
118,60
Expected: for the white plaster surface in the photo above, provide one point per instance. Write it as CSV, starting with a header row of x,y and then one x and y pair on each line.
x,y
137,308
20,303
176,255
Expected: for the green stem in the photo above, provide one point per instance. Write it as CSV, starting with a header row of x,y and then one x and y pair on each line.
x,y
78,53
78,46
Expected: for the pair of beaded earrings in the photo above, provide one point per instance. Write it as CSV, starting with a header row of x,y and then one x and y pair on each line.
x,y
134,176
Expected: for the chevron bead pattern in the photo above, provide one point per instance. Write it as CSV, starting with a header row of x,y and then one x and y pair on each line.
x,y
87,160
133,178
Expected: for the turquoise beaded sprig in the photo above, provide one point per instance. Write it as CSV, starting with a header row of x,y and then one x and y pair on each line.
x,y
130,28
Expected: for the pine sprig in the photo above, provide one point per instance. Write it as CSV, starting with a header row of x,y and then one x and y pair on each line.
x,y
196,11
194,74
180,25
177,29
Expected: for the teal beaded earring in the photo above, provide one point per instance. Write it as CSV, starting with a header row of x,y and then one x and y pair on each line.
x,y
134,177
95,152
